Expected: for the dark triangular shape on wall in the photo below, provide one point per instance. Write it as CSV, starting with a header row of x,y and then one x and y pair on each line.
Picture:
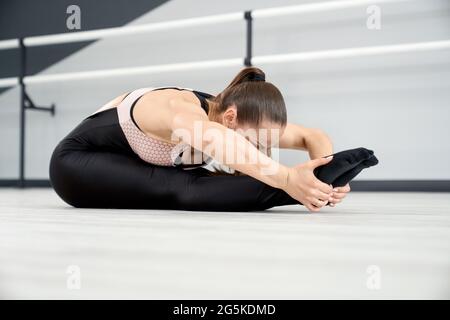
x,y
24,18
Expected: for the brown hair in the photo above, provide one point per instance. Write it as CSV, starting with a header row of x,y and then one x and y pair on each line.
x,y
255,99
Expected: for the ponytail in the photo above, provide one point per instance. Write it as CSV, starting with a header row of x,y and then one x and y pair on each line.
x,y
247,74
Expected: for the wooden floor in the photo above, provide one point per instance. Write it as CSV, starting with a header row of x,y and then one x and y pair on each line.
x,y
375,245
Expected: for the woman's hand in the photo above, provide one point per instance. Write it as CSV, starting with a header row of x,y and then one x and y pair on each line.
x,y
306,188
339,194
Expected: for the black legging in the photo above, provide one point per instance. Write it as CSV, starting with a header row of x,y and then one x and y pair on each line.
x,y
94,167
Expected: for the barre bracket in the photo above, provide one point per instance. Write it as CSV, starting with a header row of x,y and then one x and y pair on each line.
x,y
30,105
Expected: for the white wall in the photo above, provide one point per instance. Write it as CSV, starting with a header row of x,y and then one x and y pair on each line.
x,y
397,104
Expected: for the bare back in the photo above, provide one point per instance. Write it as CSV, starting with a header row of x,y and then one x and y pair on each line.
x,y
152,111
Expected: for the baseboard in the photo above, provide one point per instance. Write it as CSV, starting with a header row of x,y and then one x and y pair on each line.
x,y
29,183
357,185
401,185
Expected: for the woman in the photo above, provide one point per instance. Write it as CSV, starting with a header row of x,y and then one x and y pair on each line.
x,y
141,150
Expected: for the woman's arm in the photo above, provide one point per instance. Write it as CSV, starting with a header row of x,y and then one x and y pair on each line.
x,y
315,141
223,144
232,149
318,144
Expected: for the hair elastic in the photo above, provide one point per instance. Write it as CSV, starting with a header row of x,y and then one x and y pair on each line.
x,y
256,77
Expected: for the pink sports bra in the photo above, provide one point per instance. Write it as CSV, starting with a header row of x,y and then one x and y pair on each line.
x,y
149,149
